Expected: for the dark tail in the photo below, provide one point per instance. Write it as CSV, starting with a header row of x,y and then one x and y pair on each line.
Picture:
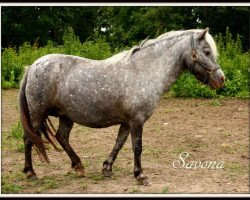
x,y
29,130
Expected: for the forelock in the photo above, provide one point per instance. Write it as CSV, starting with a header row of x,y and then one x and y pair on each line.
x,y
209,39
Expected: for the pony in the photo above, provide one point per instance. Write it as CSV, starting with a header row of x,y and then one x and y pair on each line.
x,y
121,90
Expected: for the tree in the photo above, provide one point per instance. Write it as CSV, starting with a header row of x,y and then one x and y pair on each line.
x,y
125,26
122,26
20,24
220,17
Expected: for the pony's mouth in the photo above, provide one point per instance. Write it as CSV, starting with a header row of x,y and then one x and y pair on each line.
x,y
216,84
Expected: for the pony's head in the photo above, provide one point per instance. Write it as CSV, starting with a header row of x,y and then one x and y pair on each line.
x,y
202,60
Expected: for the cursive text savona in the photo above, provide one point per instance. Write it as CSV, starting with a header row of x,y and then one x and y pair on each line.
x,y
182,162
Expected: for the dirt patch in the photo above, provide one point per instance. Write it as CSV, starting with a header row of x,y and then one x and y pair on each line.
x,y
209,130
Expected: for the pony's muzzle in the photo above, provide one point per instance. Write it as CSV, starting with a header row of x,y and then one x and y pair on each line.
x,y
222,79
217,79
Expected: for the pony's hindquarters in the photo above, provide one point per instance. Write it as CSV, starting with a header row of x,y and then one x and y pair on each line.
x,y
32,134
31,138
29,130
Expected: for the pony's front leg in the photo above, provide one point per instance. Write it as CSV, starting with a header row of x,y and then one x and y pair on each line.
x,y
136,135
121,139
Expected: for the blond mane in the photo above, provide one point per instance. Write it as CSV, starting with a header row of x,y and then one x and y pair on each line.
x,y
125,55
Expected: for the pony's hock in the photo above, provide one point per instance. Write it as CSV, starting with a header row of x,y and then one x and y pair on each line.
x,y
123,89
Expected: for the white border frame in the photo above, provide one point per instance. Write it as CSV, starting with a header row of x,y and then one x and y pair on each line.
x,y
182,4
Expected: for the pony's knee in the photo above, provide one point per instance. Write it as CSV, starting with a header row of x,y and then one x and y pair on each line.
x,y
137,122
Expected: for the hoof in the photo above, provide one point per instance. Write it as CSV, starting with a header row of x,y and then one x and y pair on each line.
x,y
31,175
142,180
106,172
80,172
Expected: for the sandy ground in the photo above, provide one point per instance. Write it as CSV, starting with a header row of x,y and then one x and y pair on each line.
x,y
208,130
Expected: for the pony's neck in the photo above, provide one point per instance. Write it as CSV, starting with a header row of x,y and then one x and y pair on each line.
x,y
163,62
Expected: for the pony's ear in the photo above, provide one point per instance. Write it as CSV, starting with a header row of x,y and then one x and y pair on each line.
x,y
202,34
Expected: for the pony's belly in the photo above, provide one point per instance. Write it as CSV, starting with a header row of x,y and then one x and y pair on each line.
x,y
98,123
96,118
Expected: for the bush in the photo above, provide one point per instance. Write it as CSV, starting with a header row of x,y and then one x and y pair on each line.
x,y
98,49
11,68
188,86
15,60
235,65
71,43
233,62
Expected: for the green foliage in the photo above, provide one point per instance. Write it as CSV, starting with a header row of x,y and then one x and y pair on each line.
x,y
188,86
123,25
234,63
20,148
126,26
11,69
10,188
98,49
72,44
28,23
14,61
16,131
235,66
219,17
165,190
214,103
48,183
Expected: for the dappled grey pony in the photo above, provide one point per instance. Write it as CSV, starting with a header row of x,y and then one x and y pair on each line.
x,y
123,89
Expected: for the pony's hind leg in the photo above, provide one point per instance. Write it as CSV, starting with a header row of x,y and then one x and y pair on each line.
x,y
62,136
121,139
28,168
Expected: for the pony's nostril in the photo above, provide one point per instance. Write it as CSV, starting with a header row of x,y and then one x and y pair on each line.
x,y
222,79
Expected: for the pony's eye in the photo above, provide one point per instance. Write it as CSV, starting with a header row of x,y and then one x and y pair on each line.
x,y
207,52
